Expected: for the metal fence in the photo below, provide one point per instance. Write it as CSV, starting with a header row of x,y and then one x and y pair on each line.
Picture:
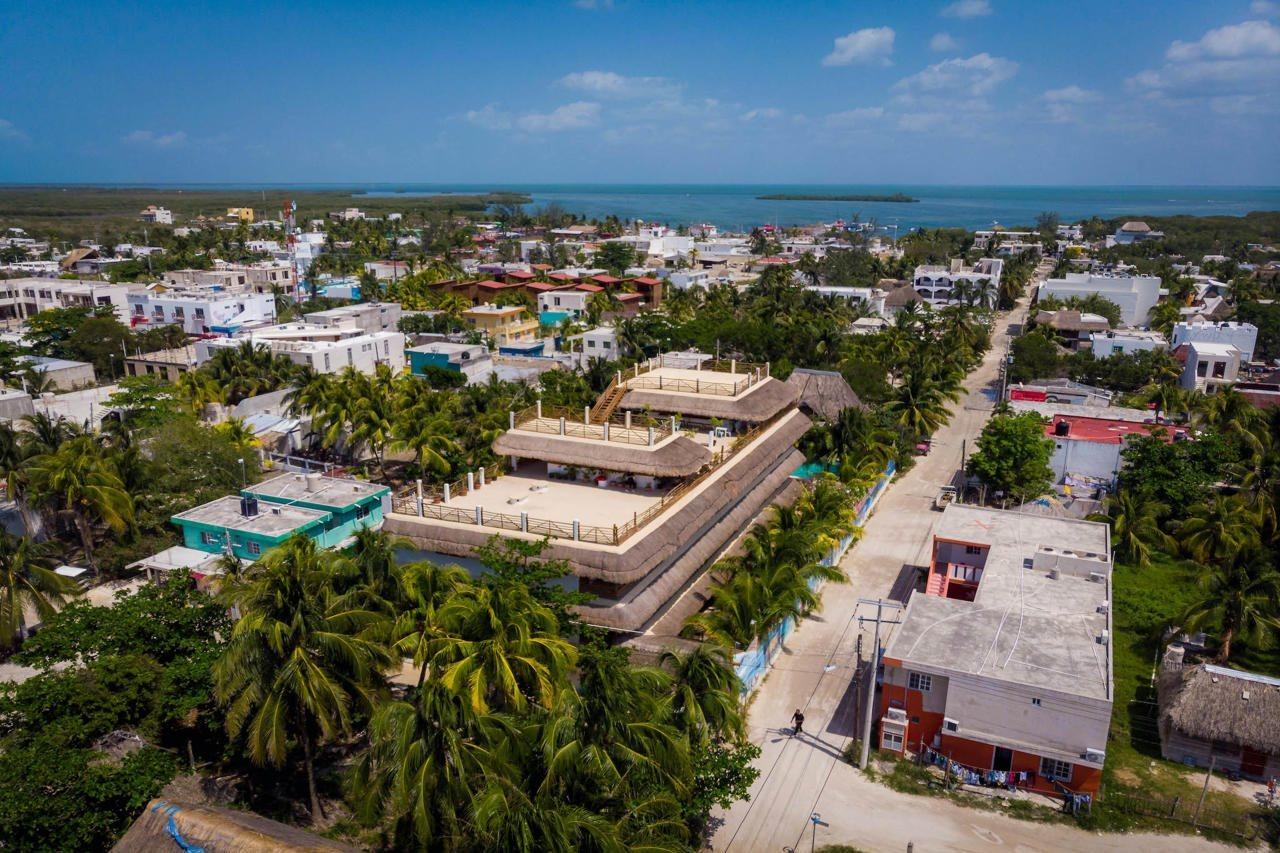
x,y
1252,826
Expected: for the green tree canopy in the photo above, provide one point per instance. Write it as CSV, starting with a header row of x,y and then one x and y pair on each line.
x,y
1013,455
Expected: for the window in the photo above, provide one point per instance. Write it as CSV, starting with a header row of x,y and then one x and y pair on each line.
x,y
178,314
950,724
362,511
608,345
253,548
326,361
1219,370
973,549
1052,768
199,313
1202,368
351,358
209,538
891,740
1036,701
920,681
591,344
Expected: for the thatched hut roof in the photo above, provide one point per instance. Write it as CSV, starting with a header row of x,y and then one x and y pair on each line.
x,y
1213,703
764,400
678,457
216,831
824,393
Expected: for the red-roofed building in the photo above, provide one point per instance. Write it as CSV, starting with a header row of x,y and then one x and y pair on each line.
x,y
606,280
588,287
561,277
517,275
1087,450
651,288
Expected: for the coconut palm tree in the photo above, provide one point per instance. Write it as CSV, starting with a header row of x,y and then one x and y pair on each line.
x,y
502,649
1216,529
610,737
426,760
239,436
28,585
1135,526
199,390
919,404
422,589
428,435
506,815
46,433
79,480
1163,317
15,451
704,693
295,664
1238,602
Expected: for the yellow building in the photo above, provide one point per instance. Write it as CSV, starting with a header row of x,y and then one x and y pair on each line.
x,y
240,214
504,323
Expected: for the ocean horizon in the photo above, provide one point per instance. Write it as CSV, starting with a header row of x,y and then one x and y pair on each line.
x,y
736,206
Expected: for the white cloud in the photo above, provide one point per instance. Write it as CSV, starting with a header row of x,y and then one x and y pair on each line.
x,y
977,75
857,117
923,121
1070,95
172,139
1251,38
942,42
762,113
490,118
609,84
1264,7
575,116
967,9
873,44
10,131
1239,62
1061,105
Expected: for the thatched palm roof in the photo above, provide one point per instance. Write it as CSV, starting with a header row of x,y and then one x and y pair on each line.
x,y
764,400
216,831
679,457
824,393
1209,703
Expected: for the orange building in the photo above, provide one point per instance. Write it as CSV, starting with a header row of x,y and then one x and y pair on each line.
x,y
1003,664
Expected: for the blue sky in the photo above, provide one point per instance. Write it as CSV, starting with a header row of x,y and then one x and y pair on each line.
x,y
966,92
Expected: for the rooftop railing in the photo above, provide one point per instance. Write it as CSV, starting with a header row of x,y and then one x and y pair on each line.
x,y
432,503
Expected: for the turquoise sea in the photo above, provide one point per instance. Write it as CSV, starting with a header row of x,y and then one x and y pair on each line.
x,y
736,206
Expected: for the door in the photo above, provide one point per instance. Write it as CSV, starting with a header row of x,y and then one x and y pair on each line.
x,y
1253,763
1003,759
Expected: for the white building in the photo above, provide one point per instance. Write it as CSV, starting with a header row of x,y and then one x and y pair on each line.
x,y
202,310
573,302
939,285
158,215
322,349
685,279
365,316
1210,366
1134,232
1125,342
20,298
259,277
600,342
1242,336
872,297
1135,295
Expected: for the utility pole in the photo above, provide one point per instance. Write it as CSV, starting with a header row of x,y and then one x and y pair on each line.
x,y
880,604
1195,821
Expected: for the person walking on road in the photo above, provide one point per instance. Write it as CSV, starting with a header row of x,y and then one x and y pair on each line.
x,y
797,720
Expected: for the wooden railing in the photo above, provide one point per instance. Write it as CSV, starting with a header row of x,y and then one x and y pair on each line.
x,y
406,503
621,430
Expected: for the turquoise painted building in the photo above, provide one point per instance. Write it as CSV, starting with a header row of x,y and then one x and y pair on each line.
x,y
327,509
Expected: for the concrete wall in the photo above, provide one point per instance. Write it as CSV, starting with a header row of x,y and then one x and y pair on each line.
x,y
1089,458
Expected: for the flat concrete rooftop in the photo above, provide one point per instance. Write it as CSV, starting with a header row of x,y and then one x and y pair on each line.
x,y
1023,626
531,491
336,492
272,520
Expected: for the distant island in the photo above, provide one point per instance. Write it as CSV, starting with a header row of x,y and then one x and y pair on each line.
x,y
896,197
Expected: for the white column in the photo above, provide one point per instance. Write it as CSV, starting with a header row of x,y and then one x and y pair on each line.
x,y
628,417
524,522
651,436
471,481
733,366
447,495
419,485
586,414
576,528
562,426
539,405
606,430
479,515
511,420
482,478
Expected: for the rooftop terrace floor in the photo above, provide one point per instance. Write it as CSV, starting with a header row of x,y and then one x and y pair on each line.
x,y
531,491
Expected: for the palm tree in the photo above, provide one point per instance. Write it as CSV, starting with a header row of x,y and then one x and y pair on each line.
x,y
502,649
1135,526
919,404
199,390
295,663
610,737
77,479
425,761
239,436
46,433
429,436
506,816
704,693
14,453
28,583
1239,602
1163,317
422,589
1214,530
